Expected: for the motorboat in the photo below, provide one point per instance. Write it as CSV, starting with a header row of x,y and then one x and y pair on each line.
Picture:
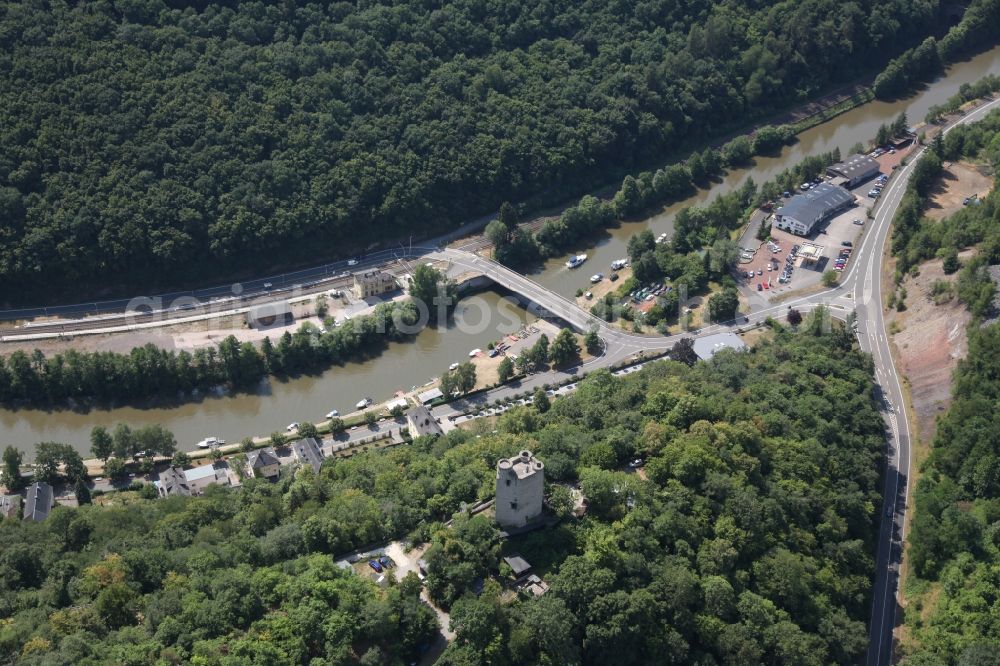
x,y
475,352
619,264
596,277
453,366
332,414
210,443
363,403
576,260
294,425
662,238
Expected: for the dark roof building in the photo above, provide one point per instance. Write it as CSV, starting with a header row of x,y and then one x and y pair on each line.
x,y
855,170
38,502
517,564
263,463
172,481
804,211
307,451
421,422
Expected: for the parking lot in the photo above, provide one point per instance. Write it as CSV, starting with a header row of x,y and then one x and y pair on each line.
x,y
769,261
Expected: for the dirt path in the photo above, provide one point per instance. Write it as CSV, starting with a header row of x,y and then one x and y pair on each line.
x,y
930,341
958,181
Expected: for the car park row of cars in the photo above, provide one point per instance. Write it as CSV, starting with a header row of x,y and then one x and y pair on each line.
x,y
786,275
807,186
845,254
648,293
876,191
380,564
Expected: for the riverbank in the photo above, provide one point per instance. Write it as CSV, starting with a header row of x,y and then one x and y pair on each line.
x,y
415,361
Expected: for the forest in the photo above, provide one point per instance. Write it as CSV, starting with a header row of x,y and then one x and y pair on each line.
x,y
953,541
160,142
748,539
979,27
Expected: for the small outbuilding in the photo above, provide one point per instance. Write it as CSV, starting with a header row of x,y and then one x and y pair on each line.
x,y
429,396
709,345
855,170
9,506
518,565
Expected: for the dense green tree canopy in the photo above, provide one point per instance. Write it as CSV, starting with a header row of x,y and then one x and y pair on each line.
x,y
162,141
748,539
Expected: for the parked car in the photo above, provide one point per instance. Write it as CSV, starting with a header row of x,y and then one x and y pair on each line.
x,y
375,565
759,287
859,222
847,244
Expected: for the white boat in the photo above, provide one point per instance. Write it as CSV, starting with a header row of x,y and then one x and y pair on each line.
x,y
333,413
475,352
453,366
294,425
576,260
596,277
662,238
364,402
210,442
618,264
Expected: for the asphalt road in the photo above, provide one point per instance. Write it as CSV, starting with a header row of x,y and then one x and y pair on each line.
x,y
264,287
867,292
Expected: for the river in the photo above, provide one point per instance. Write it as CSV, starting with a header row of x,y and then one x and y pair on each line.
x,y
403,365
478,320
859,124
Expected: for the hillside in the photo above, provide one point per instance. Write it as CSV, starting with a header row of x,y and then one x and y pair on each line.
x,y
165,142
950,615
747,537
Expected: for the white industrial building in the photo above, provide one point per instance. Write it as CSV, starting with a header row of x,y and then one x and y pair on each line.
x,y
520,489
804,211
